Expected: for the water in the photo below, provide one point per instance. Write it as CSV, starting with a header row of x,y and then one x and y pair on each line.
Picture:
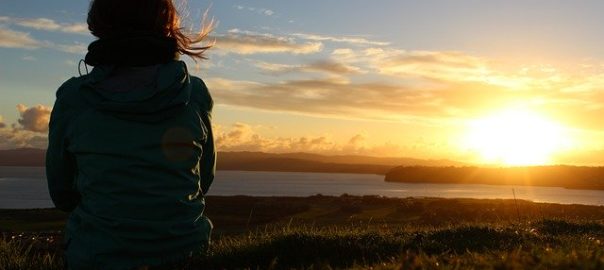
x,y
26,188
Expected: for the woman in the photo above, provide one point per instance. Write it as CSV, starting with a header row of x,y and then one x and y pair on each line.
x,y
131,152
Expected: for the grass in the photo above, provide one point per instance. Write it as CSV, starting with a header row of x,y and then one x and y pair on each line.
x,y
365,232
17,254
466,246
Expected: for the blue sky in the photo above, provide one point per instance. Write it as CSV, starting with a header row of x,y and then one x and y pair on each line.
x,y
385,78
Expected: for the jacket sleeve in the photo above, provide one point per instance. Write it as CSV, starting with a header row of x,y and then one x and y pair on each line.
x,y
208,160
60,164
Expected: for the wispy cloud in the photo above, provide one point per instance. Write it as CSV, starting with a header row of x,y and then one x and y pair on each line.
x,y
436,65
250,42
429,64
76,48
331,98
16,39
22,40
423,87
261,11
45,24
321,66
29,58
244,42
341,39
375,80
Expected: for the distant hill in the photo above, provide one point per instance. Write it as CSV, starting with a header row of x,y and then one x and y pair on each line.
x,y
237,157
551,176
27,157
281,164
258,161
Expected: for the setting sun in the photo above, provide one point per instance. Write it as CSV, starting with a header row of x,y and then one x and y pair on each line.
x,y
516,137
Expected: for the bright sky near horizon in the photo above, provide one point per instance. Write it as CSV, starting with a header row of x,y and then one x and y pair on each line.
x,y
512,82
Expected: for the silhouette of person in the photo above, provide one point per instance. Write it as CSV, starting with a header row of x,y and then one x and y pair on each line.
x,y
130,146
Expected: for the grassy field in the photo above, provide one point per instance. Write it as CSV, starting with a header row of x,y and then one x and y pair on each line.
x,y
323,232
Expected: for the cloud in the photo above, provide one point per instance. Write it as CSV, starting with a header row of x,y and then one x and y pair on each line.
x,y
2,124
45,24
243,42
16,39
34,118
76,48
341,39
30,129
70,63
249,42
244,137
11,139
420,87
29,58
358,139
261,11
574,101
22,40
431,65
451,66
322,66
343,99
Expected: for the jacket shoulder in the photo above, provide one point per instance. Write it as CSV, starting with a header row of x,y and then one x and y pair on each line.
x,y
68,94
69,91
70,87
200,94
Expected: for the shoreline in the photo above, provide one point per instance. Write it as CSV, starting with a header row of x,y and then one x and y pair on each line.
x,y
233,214
279,197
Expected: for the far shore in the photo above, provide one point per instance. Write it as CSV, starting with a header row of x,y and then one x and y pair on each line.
x,y
568,177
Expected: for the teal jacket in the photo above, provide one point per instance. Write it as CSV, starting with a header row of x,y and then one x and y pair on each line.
x,y
131,156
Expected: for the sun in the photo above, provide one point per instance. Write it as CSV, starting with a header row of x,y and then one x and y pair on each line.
x,y
516,137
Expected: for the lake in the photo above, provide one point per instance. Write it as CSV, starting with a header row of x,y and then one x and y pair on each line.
x,y
26,188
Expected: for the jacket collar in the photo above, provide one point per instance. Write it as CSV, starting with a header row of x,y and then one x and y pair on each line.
x,y
134,50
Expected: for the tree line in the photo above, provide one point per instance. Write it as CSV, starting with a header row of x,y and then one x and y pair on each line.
x,y
574,177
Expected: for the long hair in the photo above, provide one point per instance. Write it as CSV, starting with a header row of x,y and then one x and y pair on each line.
x,y
114,18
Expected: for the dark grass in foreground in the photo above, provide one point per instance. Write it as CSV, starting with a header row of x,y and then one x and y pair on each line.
x,y
362,232
547,244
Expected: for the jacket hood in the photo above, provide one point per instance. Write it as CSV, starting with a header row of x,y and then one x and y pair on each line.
x,y
145,94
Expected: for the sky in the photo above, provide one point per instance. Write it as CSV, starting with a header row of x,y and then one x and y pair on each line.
x,y
477,81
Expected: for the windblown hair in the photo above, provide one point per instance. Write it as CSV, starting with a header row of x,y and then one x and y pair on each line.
x,y
115,18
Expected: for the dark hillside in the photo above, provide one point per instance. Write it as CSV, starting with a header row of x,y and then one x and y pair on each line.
x,y
551,176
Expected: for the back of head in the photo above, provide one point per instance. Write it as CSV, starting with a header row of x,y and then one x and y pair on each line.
x,y
111,19
138,40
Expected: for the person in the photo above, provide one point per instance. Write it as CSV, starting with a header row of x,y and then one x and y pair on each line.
x,y
130,145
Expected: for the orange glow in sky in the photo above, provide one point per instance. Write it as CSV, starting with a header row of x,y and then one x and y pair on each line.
x,y
500,82
516,137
